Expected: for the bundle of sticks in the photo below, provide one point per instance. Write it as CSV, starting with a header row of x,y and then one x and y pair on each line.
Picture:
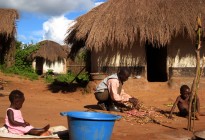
x,y
142,114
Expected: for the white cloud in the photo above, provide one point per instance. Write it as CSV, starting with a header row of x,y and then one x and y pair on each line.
x,y
55,28
48,7
98,3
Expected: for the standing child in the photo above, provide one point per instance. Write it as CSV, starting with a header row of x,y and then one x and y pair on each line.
x,y
14,120
182,102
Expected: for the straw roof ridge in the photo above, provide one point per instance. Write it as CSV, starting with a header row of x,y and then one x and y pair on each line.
x,y
123,23
50,51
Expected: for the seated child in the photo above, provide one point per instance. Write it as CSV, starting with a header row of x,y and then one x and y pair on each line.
x,y
182,103
14,120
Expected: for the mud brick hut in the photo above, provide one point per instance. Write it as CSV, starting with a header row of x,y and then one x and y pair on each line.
x,y
155,38
8,19
50,56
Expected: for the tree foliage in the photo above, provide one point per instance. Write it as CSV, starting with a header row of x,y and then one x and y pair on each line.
x,y
23,66
22,54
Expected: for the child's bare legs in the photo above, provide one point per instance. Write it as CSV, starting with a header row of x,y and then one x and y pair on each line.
x,y
39,131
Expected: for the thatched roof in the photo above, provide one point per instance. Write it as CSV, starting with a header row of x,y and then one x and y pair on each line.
x,y
50,51
8,22
66,48
123,23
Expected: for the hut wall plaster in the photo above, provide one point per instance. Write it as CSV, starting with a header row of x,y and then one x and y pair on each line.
x,y
181,53
108,61
57,67
181,60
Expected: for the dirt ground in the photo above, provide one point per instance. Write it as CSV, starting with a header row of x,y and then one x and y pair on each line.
x,y
44,103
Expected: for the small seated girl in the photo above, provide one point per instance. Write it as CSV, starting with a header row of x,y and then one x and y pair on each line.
x,y
14,120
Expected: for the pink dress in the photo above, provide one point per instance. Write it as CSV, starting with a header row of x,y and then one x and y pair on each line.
x,y
20,130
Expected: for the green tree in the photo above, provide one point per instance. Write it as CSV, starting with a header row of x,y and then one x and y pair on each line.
x,y
23,66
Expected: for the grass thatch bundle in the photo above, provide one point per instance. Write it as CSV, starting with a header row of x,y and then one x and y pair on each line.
x,y
7,22
50,50
124,23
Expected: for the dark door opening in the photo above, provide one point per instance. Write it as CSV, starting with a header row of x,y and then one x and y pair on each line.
x,y
39,65
156,63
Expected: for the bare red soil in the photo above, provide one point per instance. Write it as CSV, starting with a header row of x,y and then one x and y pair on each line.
x,y
44,103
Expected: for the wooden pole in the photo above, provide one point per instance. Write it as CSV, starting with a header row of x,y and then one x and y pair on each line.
x,y
193,89
196,81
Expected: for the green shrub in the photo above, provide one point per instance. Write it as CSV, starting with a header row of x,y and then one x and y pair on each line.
x,y
49,79
84,76
22,66
63,78
28,73
49,72
66,77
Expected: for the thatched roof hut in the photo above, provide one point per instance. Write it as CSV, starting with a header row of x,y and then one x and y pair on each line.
x,y
7,35
124,23
50,56
50,51
125,33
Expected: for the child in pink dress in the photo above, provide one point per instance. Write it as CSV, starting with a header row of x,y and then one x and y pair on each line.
x,y
14,120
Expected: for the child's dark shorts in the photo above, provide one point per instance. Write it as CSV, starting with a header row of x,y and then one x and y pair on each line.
x,y
183,113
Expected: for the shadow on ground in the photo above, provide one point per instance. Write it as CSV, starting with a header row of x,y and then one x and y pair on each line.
x,y
63,135
92,107
64,87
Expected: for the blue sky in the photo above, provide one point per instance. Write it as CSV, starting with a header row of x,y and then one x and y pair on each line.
x,y
47,19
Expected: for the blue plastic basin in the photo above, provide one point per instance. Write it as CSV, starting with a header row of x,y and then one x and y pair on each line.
x,y
90,125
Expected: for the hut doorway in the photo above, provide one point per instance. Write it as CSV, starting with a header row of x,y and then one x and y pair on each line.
x,y
156,63
39,65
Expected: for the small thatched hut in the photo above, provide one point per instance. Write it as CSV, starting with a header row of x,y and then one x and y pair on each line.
x,y
50,56
156,38
8,19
